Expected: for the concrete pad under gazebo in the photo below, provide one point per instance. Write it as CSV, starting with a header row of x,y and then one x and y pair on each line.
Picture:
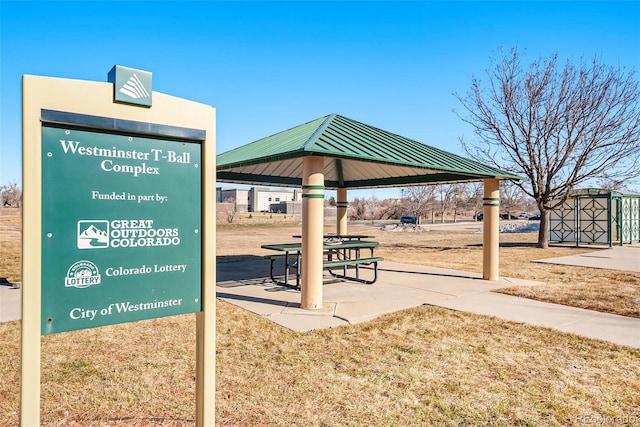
x,y
335,152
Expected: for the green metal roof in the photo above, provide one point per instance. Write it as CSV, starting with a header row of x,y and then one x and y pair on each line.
x,y
356,156
594,192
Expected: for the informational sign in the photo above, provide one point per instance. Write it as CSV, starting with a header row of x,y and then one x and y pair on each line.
x,y
121,228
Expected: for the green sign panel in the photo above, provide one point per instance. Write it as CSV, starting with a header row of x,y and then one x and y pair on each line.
x,y
121,225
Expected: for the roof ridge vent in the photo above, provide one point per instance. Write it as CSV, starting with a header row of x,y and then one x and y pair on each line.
x,y
318,131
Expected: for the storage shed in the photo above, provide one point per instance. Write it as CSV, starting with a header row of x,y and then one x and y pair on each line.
x,y
596,216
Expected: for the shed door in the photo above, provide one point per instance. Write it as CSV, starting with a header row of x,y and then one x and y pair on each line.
x,y
562,222
630,219
594,220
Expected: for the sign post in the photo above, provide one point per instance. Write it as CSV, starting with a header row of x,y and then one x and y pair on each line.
x,y
115,216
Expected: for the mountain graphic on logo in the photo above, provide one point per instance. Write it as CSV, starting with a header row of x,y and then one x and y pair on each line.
x,y
134,88
93,237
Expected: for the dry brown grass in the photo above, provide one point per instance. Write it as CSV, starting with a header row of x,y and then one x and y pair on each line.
x,y
424,366
10,251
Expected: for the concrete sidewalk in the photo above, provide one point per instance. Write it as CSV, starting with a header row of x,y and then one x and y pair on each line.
x,y
623,258
10,302
246,283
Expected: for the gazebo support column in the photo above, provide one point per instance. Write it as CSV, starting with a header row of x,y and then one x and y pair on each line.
x,y
342,204
491,230
312,231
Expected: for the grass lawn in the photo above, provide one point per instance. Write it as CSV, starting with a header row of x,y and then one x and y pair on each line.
x,y
423,366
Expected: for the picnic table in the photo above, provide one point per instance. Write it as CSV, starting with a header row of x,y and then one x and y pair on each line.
x,y
342,236
336,253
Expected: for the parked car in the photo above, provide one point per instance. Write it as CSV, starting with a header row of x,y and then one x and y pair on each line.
x,y
534,217
508,216
525,215
478,217
408,220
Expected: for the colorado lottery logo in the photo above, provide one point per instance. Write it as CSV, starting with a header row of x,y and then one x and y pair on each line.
x,y
82,274
93,234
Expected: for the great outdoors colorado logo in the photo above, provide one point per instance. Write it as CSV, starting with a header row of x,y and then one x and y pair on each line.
x,y
124,233
82,274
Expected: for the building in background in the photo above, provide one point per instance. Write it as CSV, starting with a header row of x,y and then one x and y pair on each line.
x,y
261,199
240,197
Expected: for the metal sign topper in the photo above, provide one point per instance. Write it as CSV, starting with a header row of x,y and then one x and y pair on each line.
x,y
131,86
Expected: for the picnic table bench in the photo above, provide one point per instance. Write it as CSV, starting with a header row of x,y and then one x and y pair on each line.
x,y
338,254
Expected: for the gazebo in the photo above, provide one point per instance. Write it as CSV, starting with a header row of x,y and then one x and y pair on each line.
x,y
335,152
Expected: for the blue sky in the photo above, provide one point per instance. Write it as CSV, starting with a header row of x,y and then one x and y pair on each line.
x,y
268,66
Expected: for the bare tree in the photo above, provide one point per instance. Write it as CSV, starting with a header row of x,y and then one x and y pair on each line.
x,y
511,197
10,195
448,197
391,209
357,209
228,208
441,200
419,199
473,196
457,200
373,205
612,183
558,126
